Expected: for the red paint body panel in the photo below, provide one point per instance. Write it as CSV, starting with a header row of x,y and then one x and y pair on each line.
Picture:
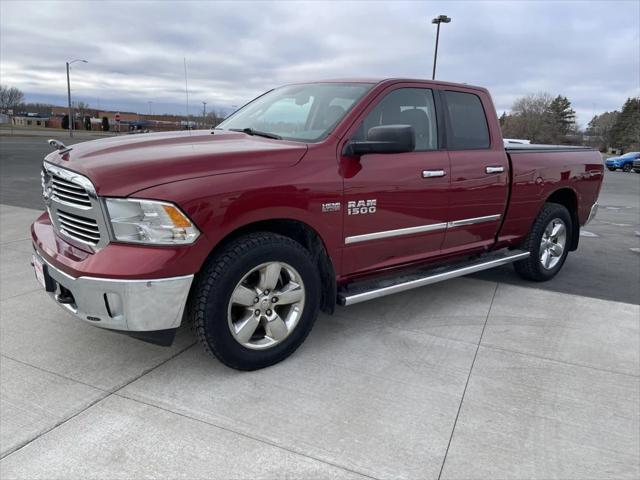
x,y
119,166
226,181
537,175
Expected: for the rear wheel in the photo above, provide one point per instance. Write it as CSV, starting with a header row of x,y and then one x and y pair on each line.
x,y
256,301
611,169
548,244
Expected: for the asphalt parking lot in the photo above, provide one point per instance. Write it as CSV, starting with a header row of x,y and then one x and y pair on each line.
x,y
479,377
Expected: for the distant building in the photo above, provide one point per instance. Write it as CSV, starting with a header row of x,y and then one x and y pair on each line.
x,y
30,120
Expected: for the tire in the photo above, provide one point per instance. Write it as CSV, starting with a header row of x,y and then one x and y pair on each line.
x,y
533,268
626,168
237,273
611,169
637,170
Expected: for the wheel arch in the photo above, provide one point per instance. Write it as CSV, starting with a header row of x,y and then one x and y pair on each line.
x,y
568,198
305,235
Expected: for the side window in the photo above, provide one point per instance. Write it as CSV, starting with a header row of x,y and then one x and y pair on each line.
x,y
468,122
406,106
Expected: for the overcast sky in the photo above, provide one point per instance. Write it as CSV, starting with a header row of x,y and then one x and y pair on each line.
x,y
588,51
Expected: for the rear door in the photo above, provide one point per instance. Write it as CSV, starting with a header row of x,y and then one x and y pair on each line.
x,y
479,171
395,205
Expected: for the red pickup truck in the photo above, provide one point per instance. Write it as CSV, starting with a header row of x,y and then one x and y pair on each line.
x,y
309,196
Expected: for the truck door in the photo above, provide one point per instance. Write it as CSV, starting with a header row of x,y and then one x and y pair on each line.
x,y
395,205
479,172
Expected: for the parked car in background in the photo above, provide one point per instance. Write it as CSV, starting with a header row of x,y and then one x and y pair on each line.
x,y
636,165
625,162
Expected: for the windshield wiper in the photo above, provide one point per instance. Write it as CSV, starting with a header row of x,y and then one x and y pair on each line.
x,y
251,131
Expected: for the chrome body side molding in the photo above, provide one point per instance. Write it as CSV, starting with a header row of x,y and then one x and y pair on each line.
x,y
419,229
473,221
395,233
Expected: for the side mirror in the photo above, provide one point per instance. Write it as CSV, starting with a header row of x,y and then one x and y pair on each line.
x,y
385,139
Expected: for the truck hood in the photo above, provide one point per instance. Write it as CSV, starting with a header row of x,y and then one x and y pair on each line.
x,y
120,166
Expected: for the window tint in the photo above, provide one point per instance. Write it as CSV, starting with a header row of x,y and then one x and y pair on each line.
x,y
468,122
406,106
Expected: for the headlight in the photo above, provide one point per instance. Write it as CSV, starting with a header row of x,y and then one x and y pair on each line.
x,y
149,221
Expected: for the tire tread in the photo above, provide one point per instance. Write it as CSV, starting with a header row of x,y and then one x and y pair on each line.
x,y
210,275
530,267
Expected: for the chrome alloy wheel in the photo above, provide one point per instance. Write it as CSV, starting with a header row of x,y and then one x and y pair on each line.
x,y
266,305
553,243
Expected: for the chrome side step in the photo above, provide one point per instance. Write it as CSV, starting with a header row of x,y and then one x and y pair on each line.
x,y
375,289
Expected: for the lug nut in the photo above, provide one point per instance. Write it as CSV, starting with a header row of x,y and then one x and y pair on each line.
x,y
257,312
266,292
268,312
256,300
274,299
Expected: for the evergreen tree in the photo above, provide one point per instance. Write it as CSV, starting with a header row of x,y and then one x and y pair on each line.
x,y
105,124
503,119
65,122
562,118
626,131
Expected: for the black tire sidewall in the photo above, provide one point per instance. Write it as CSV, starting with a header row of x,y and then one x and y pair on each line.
x,y
555,212
217,332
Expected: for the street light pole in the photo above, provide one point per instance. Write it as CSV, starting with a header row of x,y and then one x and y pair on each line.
x,y
438,21
71,122
204,114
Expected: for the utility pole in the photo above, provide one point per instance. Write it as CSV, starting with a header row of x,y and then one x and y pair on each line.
x,y
438,21
204,114
71,120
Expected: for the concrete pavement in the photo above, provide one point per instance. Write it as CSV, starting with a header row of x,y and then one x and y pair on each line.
x,y
464,379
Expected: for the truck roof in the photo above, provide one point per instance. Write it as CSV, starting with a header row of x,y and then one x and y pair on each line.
x,y
391,80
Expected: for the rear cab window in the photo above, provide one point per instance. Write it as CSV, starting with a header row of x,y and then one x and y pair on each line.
x,y
467,122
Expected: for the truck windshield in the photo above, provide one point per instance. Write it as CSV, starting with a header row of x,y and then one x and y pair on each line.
x,y
306,112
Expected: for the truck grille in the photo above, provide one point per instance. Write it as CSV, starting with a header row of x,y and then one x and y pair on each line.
x,y
81,228
68,192
73,205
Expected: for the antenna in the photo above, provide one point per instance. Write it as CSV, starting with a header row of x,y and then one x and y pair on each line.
x,y
186,91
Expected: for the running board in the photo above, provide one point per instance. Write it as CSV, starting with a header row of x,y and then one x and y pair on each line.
x,y
368,290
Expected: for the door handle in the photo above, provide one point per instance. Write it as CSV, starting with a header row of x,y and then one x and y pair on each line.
x,y
433,173
494,169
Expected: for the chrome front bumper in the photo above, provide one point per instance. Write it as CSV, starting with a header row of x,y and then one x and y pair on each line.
x,y
592,213
125,305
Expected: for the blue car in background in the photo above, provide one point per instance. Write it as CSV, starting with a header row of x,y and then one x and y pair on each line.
x,y
625,162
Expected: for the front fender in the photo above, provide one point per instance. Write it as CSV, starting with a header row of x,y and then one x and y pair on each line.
x,y
222,204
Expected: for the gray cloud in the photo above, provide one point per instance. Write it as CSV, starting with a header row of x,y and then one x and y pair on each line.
x,y
586,50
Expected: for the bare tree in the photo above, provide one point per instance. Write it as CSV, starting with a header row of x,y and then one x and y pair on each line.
x,y
600,128
82,108
10,97
529,118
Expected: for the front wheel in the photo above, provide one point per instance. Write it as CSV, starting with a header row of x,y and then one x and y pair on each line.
x,y
611,169
256,301
626,168
548,244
